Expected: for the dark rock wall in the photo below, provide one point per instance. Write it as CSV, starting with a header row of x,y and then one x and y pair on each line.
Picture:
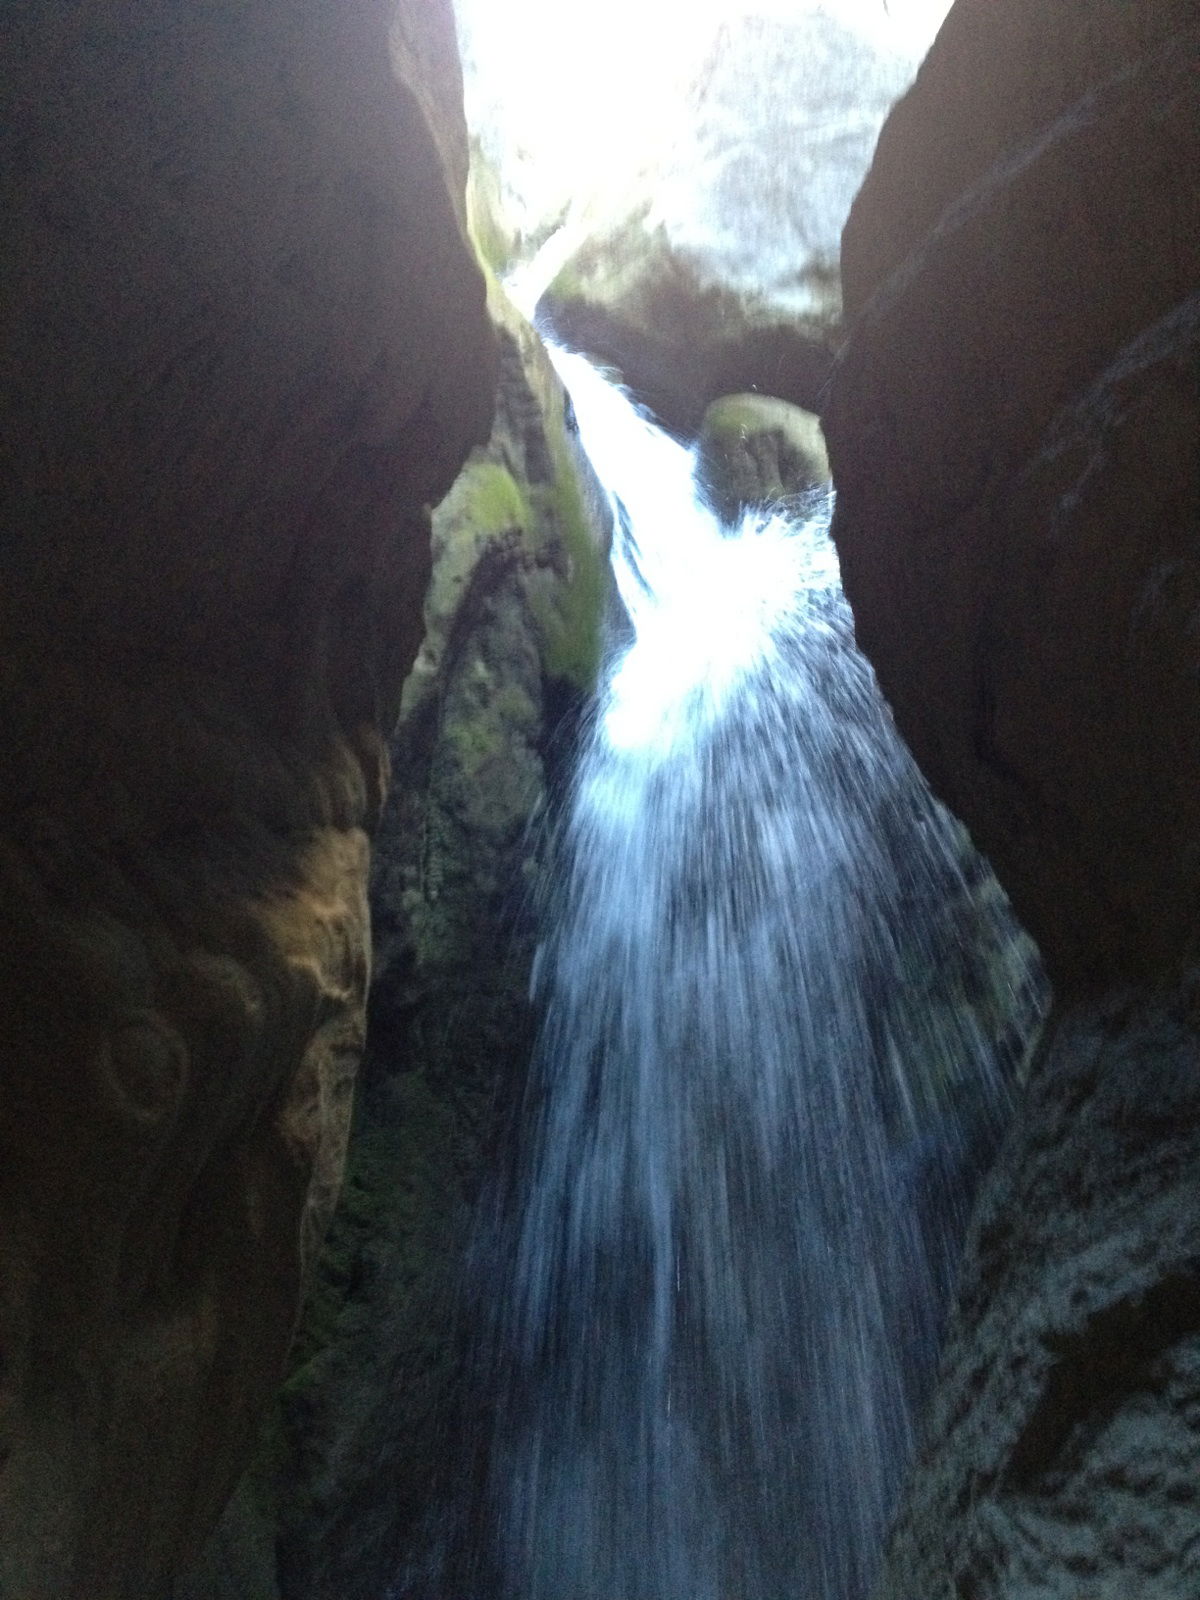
x,y
244,346
1001,76
1061,1451
1013,432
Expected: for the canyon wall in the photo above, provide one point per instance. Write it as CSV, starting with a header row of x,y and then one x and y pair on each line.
x,y
1013,431
246,346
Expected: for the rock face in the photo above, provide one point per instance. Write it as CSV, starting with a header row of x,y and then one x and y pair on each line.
x,y
1012,433
675,333
1062,1446
1012,429
245,346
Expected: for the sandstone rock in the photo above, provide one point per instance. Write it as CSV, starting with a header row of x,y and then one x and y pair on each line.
x,y
245,345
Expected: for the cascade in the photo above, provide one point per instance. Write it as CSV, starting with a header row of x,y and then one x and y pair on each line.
x,y
761,1089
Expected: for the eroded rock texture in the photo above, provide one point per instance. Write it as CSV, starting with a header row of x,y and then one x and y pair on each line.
x,y
1061,1450
245,345
1013,431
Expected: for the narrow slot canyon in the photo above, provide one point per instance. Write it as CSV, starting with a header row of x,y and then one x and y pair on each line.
x,y
602,837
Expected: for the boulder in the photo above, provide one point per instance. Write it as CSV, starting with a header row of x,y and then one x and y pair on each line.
x,y
674,333
245,347
711,266
754,450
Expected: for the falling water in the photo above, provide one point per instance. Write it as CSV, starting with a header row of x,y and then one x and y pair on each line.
x,y
760,1090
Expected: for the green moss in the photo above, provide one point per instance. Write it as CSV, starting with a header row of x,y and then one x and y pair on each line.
x,y
494,243
757,450
570,616
484,504
736,417
473,741
489,500
391,1188
515,708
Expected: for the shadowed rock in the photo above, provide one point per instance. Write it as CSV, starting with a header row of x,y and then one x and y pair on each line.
x,y
245,346
1009,432
1012,428
757,451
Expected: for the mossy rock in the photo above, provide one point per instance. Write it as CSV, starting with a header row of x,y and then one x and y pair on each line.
x,y
493,239
569,597
571,580
756,450
525,504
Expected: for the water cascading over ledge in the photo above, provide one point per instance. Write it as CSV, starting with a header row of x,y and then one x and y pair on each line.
x,y
772,985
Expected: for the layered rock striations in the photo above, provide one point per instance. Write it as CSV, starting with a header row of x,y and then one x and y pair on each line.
x,y
1013,432
245,347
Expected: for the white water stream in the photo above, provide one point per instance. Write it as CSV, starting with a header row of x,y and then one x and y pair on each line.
x,y
759,1097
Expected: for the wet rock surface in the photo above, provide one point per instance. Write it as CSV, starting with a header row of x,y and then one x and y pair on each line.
x,y
754,451
246,344
372,1423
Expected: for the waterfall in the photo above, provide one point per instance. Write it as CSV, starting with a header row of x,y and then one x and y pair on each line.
x,y
762,1087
